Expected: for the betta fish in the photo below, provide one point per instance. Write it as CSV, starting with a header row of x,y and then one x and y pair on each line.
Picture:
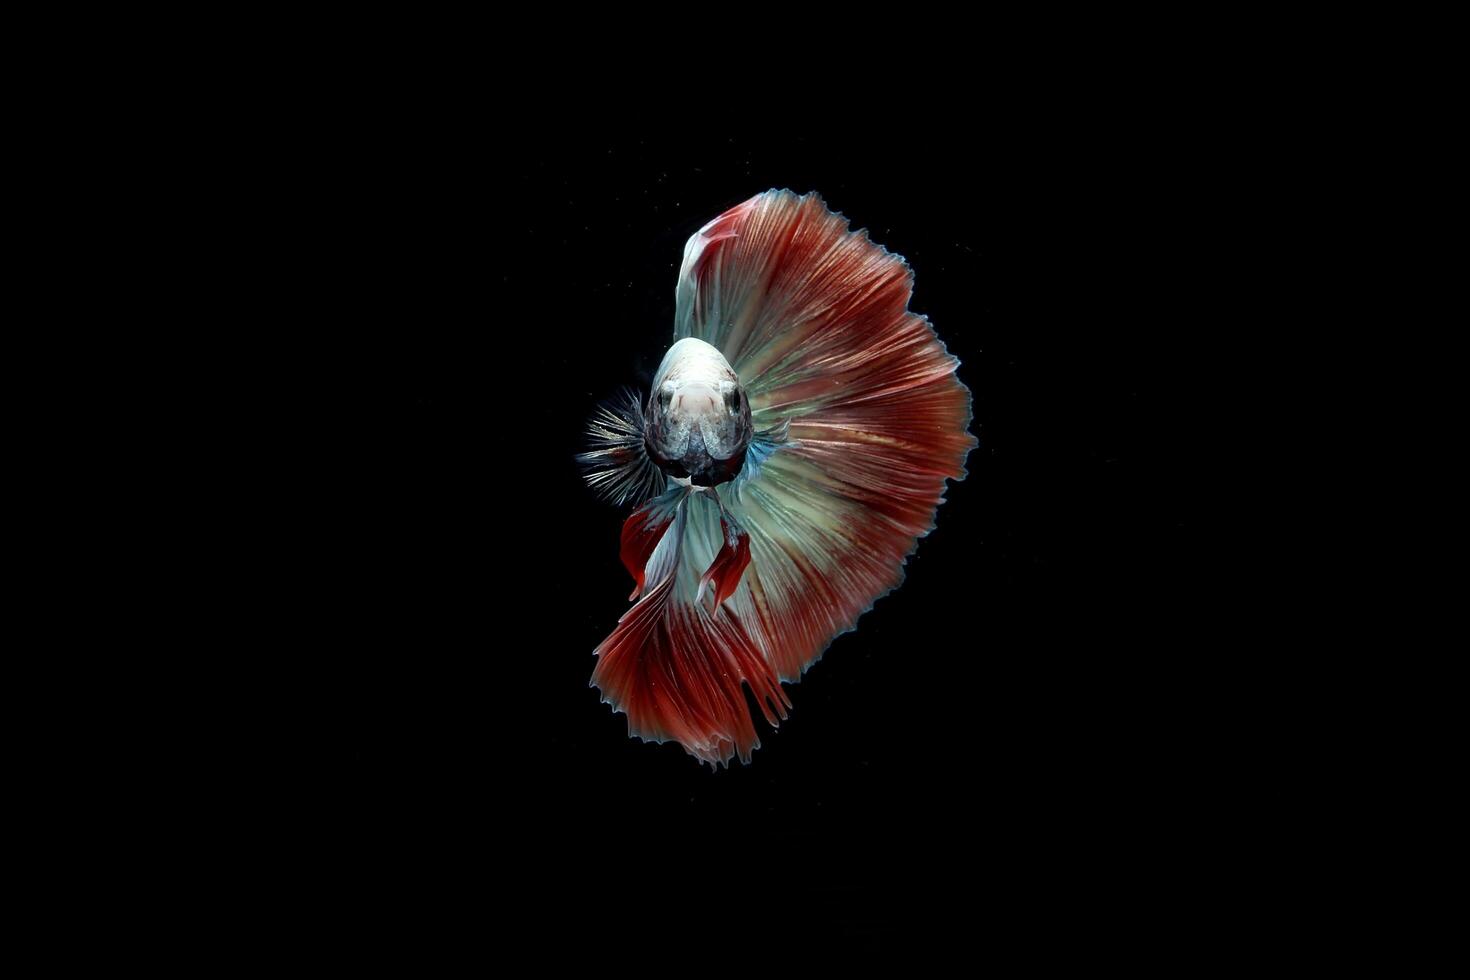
x,y
793,449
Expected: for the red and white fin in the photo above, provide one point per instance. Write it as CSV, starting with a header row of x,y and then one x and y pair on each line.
x,y
678,666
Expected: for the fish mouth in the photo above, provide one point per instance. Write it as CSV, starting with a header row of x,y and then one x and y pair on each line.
x,y
703,470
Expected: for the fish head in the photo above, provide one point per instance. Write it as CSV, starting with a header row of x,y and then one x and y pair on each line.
x,y
698,420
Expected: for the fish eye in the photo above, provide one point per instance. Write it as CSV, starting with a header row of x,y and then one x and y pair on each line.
x,y
664,397
732,399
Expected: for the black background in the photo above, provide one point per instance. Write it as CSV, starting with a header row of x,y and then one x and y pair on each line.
x,y
450,306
